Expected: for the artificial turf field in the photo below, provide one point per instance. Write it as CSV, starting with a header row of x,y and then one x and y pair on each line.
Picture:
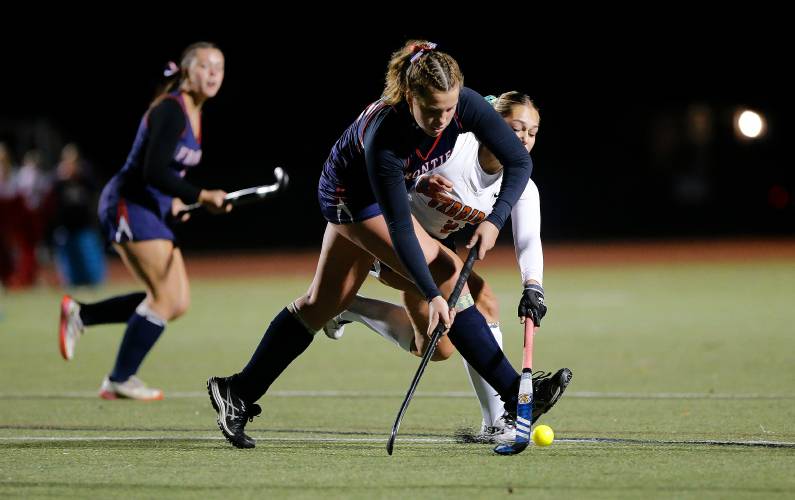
x,y
684,386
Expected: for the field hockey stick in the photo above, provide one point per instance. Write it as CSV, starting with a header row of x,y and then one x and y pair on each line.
x,y
524,407
437,334
249,195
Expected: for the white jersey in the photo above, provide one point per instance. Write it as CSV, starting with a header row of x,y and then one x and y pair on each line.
x,y
471,201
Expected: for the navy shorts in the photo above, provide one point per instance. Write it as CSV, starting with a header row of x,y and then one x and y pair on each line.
x,y
125,220
341,213
345,197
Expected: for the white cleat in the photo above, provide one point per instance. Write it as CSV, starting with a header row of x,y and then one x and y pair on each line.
x,y
335,327
502,432
132,388
375,269
71,327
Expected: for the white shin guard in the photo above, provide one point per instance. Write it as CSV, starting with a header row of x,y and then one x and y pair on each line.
x,y
388,320
490,403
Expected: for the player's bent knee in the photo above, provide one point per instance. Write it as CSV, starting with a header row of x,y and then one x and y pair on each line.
x,y
179,309
311,306
444,349
438,356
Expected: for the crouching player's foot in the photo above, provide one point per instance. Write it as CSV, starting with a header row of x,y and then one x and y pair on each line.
x,y
233,412
502,432
335,327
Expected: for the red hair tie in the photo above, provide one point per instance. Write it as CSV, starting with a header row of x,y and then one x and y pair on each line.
x,y
419,50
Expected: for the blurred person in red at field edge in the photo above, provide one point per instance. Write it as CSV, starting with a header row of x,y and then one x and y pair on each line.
x,y
32,184
9,215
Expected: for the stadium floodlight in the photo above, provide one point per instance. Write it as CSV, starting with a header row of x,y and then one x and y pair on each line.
x,y
749,124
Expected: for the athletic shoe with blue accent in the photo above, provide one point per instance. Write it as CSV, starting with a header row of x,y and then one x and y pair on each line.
x,y
233,412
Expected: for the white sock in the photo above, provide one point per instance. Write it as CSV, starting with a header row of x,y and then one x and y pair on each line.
x,y
151,316
490,403
388,320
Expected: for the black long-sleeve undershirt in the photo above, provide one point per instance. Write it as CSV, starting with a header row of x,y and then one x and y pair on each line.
x,y
385,170
167,122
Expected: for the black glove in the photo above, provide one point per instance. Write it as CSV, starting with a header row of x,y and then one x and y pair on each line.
x,y
531,305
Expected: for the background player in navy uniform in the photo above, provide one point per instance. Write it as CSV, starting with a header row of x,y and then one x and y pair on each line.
x,y
458,193
136,208
363,195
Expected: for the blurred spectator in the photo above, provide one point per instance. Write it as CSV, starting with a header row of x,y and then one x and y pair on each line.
x,y
33,185
8,215
78,246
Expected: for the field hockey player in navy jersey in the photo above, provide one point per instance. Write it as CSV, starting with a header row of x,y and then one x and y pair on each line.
x,y
137,209
363,195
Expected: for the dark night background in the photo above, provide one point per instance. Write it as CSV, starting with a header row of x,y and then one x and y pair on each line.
x,y
616,156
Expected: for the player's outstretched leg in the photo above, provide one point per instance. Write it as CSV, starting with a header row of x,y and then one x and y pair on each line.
x,y
75,316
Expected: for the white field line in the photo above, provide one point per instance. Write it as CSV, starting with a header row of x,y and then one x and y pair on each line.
x,y
443,394
593,440
55,439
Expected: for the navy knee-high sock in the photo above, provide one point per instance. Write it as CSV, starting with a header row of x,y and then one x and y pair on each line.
x,y
141,334
470,334
284,340
113,310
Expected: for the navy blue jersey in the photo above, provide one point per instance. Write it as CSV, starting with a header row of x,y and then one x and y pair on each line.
x,y
380,154
152,179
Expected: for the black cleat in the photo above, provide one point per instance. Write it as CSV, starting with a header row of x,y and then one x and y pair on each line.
x,y
233,412
548,389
